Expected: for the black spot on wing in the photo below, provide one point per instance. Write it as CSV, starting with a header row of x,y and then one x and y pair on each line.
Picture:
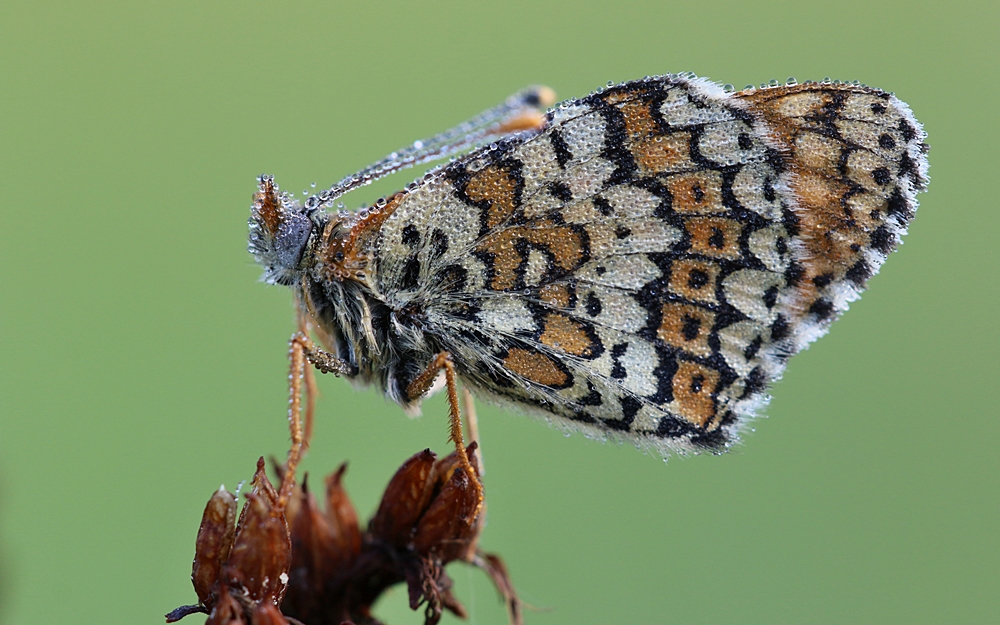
x,y
563,155
883,240
453,278
438,245
592,398
560,191
593,305
822,308
603,206
411,236
780,329
617,368
859,273
410,279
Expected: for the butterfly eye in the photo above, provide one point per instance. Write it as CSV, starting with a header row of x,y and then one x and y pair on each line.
x,y
293,234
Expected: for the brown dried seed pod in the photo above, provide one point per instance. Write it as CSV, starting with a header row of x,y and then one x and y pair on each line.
x,y
261,552
405,500
448,524
214,542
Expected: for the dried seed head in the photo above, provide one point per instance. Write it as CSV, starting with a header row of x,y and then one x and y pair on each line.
x,y
323,570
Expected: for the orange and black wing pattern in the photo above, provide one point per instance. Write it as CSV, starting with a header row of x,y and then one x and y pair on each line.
x,y
643,266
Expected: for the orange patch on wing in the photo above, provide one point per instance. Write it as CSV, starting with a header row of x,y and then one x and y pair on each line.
x,y
639,121
714,236
565,245
693,387
536,367
687,327
663,153
818,153
495,185
816,192
567,335
555,295
833,237
694,280
786,107
867,209
697,193
617,97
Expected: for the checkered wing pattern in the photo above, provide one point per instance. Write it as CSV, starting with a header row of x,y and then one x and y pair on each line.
x,y
643,266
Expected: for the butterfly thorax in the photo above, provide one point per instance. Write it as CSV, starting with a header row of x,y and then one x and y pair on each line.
x,y
328,260
385,347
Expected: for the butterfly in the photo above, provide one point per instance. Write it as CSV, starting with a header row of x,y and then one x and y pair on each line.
x,y
637,264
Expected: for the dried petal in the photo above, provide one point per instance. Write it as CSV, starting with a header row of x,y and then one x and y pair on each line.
x,y
448,525
315,555
494,566
261,553
404,500
427,583
215,539
343,518
261,486
453,605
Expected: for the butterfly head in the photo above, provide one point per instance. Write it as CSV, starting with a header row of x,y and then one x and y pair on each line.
x,y
280,230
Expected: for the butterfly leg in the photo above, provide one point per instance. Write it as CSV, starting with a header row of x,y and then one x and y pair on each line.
x,y
301,350
421,385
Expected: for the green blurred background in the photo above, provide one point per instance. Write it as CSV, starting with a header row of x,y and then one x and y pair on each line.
x,y
141,364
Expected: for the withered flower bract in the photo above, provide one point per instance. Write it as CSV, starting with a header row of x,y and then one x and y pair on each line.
x,y
319,567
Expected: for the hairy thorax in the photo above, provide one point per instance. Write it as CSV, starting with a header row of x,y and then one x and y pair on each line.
x,y
339,292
